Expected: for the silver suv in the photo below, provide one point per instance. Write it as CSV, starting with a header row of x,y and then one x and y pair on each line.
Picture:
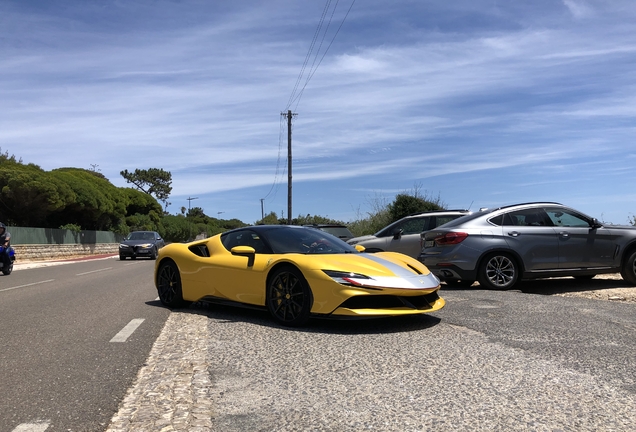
x,y
528,241
404,235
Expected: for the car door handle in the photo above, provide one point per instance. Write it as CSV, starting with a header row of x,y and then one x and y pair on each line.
x,y
564,234
513,233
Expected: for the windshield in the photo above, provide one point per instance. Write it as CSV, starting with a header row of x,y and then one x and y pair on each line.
x,y
306,241
141,236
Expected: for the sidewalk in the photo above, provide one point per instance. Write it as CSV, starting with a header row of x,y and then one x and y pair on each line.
x,y
29,264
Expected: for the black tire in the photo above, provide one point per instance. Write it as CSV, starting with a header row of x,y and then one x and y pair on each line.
x,y
498,271
122,258
459,283
169,285
153,254
8,270
628,271
288,297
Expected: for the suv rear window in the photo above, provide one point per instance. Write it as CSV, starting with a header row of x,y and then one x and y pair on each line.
x,y
340,232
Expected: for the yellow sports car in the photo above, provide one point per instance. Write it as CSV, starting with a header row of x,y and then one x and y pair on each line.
x,y
295,272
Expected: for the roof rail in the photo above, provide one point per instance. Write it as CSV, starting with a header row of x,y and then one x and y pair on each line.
x,y
528,203
437,211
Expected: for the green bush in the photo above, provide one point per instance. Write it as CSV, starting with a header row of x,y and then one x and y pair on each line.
x,y
72,227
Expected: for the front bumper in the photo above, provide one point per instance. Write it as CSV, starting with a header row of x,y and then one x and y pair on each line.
x,y
378,306
135,251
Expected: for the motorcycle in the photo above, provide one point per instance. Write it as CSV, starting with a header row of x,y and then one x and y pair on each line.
x,y
9,268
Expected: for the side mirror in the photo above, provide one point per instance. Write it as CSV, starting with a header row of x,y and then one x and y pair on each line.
x,y
596,223
246,251
397,233
360,248
243,250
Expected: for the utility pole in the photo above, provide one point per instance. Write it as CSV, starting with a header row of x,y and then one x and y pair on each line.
x,y
190,199
289,115
262,209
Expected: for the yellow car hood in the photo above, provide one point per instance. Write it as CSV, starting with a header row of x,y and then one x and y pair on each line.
x,y
377,270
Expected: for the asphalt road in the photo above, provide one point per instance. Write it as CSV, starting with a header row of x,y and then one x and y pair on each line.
x,y
488,361
72,339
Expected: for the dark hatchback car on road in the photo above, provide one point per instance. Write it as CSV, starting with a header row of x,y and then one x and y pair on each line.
x,y
501,246
141,244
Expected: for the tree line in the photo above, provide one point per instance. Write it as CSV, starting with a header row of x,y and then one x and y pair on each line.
x,y
84,199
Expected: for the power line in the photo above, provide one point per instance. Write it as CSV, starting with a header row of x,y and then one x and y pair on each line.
x,y
312,70
276,174
295,97
311,73
311,48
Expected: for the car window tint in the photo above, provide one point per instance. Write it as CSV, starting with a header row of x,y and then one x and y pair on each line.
x,y
244,238
415,225
389,230
440,220
338,231
566,218
497,220
306,241
463,219
137,236
527,217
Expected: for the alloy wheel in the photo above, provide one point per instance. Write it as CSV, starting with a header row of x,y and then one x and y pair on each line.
x,y
168,284
288,297
500,272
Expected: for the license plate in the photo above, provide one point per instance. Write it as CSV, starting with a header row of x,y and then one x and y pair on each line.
x,y
429,244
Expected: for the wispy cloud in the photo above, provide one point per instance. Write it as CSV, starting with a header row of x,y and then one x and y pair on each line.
x,y
457,96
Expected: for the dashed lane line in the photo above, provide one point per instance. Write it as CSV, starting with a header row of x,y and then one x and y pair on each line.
x,y
27,285
94,271
128,330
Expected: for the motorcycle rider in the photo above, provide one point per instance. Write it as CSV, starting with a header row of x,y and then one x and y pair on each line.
x,y
5,241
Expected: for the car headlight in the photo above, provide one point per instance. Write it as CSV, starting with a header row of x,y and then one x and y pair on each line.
x,y
345,278
123,246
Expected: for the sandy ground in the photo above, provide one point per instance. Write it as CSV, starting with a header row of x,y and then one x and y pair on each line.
x,y
607,287
614,288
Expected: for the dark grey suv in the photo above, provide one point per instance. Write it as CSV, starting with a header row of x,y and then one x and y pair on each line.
x,y
527,241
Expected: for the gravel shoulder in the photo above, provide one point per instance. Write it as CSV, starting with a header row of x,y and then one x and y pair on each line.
x,y
608,287
622,294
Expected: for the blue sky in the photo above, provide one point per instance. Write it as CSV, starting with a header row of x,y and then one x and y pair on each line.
x,y
481,103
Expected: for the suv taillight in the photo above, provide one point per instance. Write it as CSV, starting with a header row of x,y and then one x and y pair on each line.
x,y
451,238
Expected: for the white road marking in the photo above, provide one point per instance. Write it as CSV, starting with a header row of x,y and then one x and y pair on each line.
x,y
27,285
31,427
93,271
128,330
